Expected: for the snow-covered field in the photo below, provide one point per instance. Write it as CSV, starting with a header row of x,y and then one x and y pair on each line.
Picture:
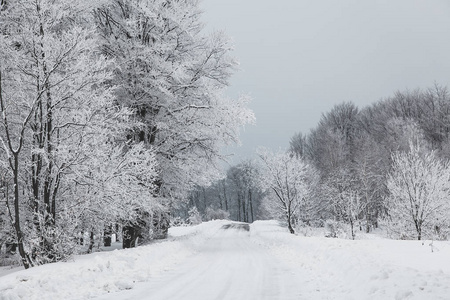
x,y
210,262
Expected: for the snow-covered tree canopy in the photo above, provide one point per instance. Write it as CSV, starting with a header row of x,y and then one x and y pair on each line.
x,y
173,77
419,192
352,149
286,178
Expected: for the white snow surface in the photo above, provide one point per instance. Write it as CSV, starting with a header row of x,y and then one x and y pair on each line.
x,y
210,262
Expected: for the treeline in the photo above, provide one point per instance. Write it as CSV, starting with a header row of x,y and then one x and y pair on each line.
x,y
354,153
385,162
111,112
237,196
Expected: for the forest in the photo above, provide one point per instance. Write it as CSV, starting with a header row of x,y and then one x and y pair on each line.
x,y
114,114
111,112
387,163
117,127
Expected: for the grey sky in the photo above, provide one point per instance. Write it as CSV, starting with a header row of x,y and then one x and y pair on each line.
x,y
301,57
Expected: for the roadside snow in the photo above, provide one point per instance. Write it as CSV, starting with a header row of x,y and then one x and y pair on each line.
x,y
329,268
299,267
88,276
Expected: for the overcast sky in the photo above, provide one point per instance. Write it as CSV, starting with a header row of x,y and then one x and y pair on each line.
x,y
299,58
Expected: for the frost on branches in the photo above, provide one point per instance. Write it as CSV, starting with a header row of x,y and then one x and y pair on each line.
x,y
110,112
65,166
173,78
285,178
418,193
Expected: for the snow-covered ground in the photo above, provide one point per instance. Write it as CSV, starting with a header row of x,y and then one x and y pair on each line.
x,y
210,262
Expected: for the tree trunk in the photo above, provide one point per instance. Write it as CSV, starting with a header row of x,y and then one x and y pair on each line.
x,y
91,242
225,197
107,236
161,224
250,200
117,232
352,228
243,207
418,229
25,259
239,207
13,159
49,193
289,215
291,230
368,218
204,199
129,236
220,201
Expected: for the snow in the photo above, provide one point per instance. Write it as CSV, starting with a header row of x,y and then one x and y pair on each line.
x,y
361,269
266,262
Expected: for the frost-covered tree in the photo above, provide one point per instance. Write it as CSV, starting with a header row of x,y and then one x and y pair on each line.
x,y
238,194
419,190
285,177
172,77
298,144
61,130
371,163
244,191
110,111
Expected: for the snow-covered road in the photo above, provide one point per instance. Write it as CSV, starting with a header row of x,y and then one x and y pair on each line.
x,y
225,260
228,266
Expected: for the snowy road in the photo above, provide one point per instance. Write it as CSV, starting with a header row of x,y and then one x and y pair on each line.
x,y
229,266
220,260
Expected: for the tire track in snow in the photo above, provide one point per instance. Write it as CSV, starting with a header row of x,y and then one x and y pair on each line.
x,y
228,266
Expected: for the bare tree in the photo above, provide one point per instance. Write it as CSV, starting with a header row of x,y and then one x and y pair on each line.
x,y
284,176
13,138
418,191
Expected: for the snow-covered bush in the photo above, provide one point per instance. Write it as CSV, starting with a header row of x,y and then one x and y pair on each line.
x,y
334,229
216,214
303,228
194,216
177,222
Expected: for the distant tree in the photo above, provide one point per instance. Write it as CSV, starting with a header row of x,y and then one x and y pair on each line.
x,y
359,144
237,188
418,191
194,216
237,194
349,206
242,180
298,144
330,145
216,214
371,163
285,177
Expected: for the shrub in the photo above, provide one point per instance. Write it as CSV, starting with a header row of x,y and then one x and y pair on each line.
x,y
194,216
216,214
